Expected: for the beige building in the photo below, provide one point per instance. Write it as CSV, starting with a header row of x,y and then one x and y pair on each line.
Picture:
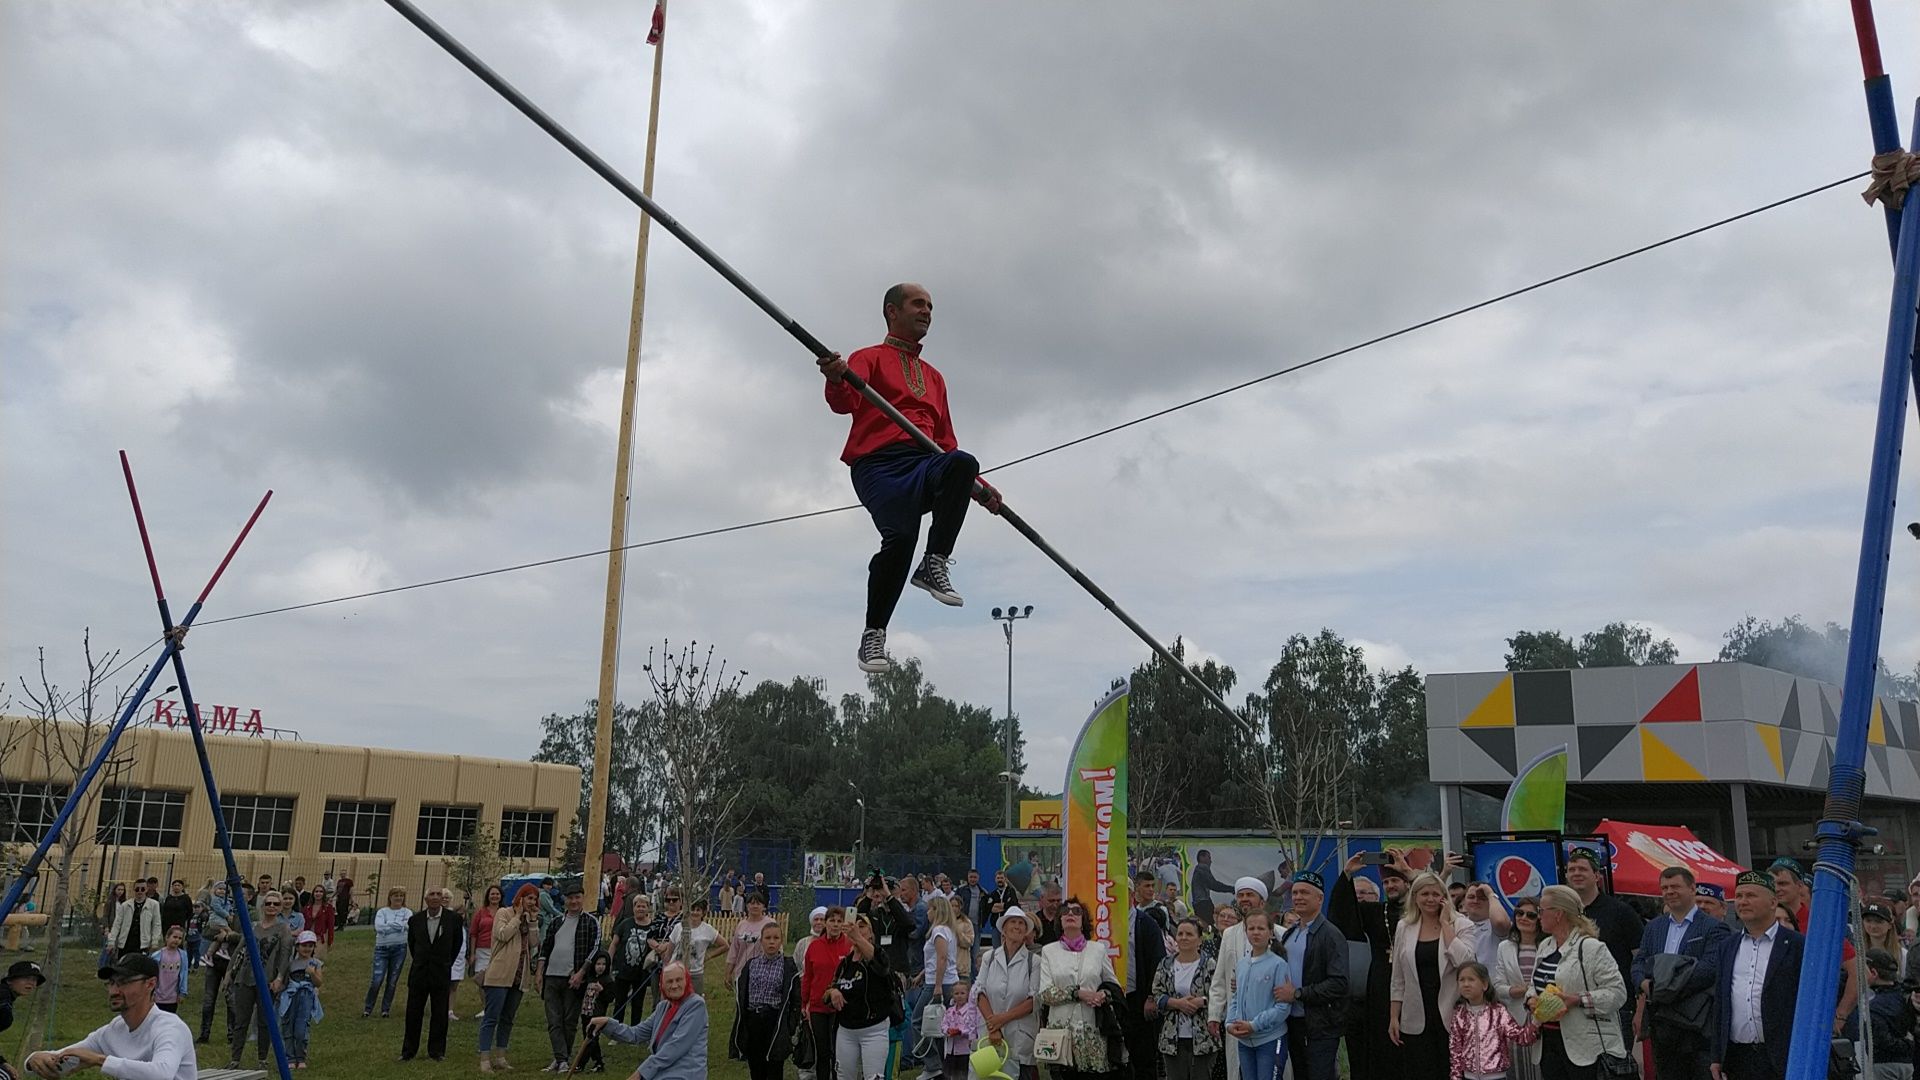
x,y
395,817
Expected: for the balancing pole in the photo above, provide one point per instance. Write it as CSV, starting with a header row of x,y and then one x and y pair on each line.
x,y
1839,830
799,333
1881,117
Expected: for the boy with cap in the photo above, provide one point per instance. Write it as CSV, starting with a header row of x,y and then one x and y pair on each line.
x,y
1891,1016
140,1043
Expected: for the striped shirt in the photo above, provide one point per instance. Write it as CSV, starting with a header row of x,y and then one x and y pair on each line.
x,y
1546,965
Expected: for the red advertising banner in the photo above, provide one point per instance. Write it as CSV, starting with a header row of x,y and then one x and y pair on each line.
x,y
1640,852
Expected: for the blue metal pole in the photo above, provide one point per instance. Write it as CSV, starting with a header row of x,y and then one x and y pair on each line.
x,y
1838,831
32,866
1886,139
262,990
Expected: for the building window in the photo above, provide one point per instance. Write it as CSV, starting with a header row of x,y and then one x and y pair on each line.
x,y
526,834
443,829
139,817
258,822
27,809
357,828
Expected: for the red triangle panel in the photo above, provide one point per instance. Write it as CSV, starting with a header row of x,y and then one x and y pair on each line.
x,y
1682,703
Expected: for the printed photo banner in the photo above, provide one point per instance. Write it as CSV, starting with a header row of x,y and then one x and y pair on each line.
x,y
1095,830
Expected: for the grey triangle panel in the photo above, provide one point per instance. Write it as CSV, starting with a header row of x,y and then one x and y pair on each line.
x,y
1597,742
1497,743
1790,716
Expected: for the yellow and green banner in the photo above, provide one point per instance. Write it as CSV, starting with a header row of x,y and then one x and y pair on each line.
x,y
1537,799
1094,832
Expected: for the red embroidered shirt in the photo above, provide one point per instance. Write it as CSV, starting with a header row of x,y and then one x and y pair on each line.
x,y
908,383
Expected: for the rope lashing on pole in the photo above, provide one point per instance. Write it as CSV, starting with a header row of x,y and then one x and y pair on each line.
x,y
983,492
1893,173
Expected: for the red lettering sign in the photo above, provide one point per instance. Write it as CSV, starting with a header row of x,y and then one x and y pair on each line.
x,y
226,718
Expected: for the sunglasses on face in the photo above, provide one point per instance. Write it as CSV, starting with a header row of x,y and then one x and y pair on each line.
x,y
1524,913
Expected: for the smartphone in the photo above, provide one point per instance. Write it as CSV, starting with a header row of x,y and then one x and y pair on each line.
x,y
1375,858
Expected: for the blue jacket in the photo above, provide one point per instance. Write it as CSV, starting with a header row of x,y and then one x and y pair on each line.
x,y
681,1054
1702,941
1253,1002
1777,991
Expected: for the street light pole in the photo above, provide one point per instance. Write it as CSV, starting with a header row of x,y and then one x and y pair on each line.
x,y
1006,616
860,845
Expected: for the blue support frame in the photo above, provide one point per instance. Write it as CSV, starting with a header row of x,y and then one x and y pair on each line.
x,y
1839,829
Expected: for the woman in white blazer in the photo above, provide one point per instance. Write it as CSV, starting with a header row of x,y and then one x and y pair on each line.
x,y
1513,982
1429,945
1589,982
1072,970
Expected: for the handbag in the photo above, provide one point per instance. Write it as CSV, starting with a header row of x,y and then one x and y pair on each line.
x,y
1607,1066
1054,1046
933,1020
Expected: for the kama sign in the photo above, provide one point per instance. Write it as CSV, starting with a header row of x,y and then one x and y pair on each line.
x,y
226,718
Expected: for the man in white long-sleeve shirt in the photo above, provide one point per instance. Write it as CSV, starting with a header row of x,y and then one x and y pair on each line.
x,y
140,1043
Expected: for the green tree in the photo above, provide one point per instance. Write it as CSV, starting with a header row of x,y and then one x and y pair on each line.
x,y
634,790
1393,759
1316,714
927,766
1617,644
1797,647
1176,740
478,865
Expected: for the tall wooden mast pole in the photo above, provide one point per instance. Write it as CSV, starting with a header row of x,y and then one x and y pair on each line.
x,y
617,532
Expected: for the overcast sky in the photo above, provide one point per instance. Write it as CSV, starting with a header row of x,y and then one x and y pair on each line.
x,y
295,246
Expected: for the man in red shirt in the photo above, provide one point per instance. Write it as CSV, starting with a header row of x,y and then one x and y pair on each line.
x,y
896,479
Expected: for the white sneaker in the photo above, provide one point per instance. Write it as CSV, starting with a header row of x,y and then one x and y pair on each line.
x,y
873,651
933,577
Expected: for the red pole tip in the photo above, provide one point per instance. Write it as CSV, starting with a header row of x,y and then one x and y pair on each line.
x,y
1868,38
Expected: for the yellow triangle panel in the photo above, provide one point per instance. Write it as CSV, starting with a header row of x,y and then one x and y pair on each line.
x,y
1770,738
1495,710
1659,762
1877,727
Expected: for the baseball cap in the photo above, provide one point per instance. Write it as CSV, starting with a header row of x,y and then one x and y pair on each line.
x,y
307,937
25,969
573,888
131,966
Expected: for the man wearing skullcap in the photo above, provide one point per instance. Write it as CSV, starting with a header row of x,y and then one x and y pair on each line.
x,y
1713,902
1316,956
1249,895
1759,976
1793,886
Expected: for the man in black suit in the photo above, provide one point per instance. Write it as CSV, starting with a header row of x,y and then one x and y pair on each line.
x,y
1759,974
1681,929
434,935
1146,947
1316,954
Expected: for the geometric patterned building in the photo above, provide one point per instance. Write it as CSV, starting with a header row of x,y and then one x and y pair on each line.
x,y
1703,745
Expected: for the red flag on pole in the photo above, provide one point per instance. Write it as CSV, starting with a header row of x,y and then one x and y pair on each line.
x,y
659,23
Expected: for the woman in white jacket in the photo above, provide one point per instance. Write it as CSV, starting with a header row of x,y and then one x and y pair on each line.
x,y
1578,964
1071,971
1429,945
1513,983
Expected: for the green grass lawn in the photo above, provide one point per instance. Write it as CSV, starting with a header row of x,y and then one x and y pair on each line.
x,y
345,1045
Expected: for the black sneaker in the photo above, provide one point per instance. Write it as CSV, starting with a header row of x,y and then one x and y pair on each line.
x,y
932,576
873,651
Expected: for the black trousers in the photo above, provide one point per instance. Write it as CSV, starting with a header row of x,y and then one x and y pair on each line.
x,y
1427,1056
630,997
897,485
757,1029
1553,1059
1681,1058
1748,1061
422,1000
823,1033
1312,1059
215,975
1142,1036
